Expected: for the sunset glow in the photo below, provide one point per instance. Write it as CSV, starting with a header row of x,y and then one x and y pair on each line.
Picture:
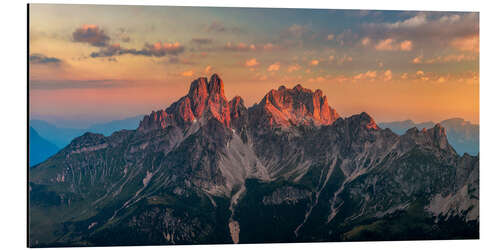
x,y
99,63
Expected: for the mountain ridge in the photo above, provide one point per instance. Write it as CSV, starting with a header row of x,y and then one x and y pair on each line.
x,y
463,135
40,148
206,170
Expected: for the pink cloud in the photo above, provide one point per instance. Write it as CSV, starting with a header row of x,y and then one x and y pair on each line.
x,y
91,34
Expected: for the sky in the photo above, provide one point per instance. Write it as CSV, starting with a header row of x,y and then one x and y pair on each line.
x,y
96,63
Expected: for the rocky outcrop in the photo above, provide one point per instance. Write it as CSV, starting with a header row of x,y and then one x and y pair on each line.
x,y
206,99
291,107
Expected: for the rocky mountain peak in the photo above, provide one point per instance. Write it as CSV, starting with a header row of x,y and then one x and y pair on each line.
x,y
216,86
236,103
438,134
366,121
435,136
198,92
205,99
285,107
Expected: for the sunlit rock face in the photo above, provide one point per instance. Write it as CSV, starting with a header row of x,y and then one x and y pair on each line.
x,y
298,106
205,99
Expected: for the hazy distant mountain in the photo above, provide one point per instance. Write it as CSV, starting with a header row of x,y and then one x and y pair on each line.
x,y
39,148
288,169
462,135
59,136
62,136
109,127
400,127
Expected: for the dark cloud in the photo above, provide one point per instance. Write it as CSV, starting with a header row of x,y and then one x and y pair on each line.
x,y
201,41
78,84
155,50
92,35
217,26
43,59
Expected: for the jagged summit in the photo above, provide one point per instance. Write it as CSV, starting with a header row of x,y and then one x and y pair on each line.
x,y
205,99
286,107
435,136
365,120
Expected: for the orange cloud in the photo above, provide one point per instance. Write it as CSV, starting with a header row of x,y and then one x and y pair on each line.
x,y
388,75
366,75
444,59
269,46
274,67
160,49
344,59
244,47
470,43
422,75
406,45
366,41
251,62
187,73
387,44
390,44
293,68
417,60
314,62
317,79
239,47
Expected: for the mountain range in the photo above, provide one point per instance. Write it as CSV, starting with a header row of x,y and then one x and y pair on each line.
x,y
462,135
61,136
40,149
287,169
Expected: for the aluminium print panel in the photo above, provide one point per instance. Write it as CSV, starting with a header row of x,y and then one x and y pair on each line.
x,y
160,125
